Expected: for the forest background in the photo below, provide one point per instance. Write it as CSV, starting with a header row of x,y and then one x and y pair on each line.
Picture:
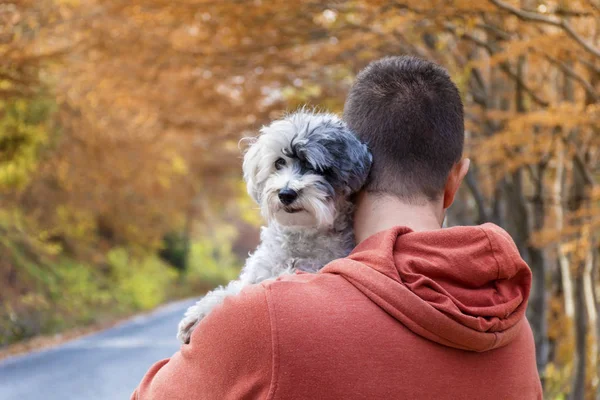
x,y
120,182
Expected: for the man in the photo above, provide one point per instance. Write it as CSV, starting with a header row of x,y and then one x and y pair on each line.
x,y
415,312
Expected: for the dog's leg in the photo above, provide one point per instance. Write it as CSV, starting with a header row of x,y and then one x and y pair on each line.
x,y
203,307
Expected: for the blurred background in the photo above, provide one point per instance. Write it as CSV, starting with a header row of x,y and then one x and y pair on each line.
x,y
120,172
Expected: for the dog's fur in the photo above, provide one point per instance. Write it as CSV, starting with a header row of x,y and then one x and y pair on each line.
x,y
323,163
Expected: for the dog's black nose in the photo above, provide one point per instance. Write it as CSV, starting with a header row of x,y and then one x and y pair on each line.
x,y
287,196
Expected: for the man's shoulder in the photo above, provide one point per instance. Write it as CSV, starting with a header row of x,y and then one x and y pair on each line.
x,y
301,284
256,302
290,303
301,301
232,343
307,294
249,305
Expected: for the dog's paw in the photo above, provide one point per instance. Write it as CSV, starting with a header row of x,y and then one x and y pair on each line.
x,y
186,327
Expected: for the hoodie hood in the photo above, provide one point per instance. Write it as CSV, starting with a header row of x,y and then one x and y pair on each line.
x,y
462,287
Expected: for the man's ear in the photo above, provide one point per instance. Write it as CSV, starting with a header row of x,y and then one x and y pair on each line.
x,y
455,177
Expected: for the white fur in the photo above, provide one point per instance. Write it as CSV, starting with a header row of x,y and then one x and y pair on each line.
x,y
319,229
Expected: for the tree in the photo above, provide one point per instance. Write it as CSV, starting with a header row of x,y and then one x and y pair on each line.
x,y
153,97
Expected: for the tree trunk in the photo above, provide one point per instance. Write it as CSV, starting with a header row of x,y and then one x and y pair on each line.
x,y
590,306
528,219
581,319
595,266
538,308
578,389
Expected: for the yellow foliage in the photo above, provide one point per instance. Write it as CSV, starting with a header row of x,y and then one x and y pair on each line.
x,y
152,96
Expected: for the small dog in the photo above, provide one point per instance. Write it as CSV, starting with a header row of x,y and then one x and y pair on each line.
x,y
301,170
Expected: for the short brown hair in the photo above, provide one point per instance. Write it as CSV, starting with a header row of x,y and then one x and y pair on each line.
x,y
410,114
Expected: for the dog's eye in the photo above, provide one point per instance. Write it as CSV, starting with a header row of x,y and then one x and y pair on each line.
x,y
280,163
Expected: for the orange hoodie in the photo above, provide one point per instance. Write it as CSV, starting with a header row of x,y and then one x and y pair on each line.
x,y
408,315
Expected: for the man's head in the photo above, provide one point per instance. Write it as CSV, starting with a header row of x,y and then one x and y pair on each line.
x,y
410,114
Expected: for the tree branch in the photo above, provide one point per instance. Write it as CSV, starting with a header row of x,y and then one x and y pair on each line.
x,y
504,66
558,22
571,72
590,65
580,164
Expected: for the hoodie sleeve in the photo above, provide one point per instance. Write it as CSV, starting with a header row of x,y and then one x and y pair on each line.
x,y
229,356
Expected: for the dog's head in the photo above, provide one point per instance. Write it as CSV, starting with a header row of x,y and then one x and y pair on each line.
x,y
300,166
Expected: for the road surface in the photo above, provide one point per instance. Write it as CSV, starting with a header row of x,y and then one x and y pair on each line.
x,y
104,366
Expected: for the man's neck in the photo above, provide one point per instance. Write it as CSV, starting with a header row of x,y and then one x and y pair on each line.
x,y
376,213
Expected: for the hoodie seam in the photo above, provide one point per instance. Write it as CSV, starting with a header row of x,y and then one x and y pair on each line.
x,y
493,252
274,345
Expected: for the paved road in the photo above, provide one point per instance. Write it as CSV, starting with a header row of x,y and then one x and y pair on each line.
x,y
103,366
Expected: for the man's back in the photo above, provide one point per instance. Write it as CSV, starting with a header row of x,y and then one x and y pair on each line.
x,y
407,315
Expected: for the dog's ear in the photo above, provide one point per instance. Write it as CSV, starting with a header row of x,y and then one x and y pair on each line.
x,y
251,168
358,165
330,146
345,154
